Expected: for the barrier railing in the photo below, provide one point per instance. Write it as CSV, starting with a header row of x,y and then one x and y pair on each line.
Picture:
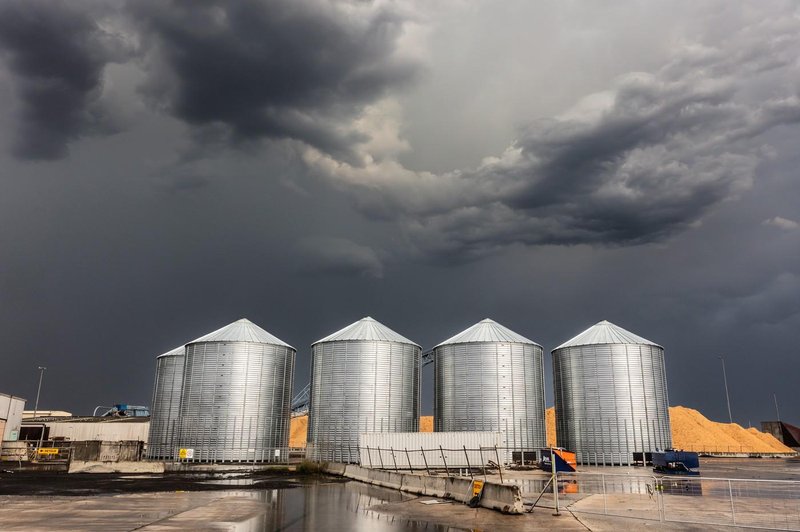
x,y
767,504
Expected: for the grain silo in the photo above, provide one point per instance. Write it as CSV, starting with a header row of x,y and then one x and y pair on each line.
x,y
610,390
489,378
166,404
364,378
237,386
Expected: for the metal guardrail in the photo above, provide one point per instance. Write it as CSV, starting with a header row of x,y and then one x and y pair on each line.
x,y
765,504
420,459
49,452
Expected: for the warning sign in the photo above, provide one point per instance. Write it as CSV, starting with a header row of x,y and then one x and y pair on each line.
x,y
47,451
186,454
477,487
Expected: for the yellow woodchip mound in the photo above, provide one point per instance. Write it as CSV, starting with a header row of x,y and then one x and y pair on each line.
x,y
426,424
297,431
550,424
691,431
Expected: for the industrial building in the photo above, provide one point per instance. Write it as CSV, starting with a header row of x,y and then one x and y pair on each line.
x,y
785,433
236,395
489,378
610,391
165,407
364,378
11,409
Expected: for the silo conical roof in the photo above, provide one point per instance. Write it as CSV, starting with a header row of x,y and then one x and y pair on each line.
x,y
487,331
242,330
174,352
605,332
367,329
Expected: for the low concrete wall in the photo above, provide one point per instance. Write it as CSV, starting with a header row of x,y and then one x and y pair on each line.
x,y
106,451
202,467
504,498
92,466
16,451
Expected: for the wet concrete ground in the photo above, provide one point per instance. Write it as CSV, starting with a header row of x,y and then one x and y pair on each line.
x,y
283,500
82,484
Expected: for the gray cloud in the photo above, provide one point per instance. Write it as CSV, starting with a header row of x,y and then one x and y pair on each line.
x,y
56,52
782,223
637,163
775,302
277,70
338,256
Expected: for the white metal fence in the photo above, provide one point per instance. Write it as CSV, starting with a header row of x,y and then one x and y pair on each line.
x,y
768,504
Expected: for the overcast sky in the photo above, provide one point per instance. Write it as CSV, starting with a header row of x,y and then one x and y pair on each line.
x,y
170,167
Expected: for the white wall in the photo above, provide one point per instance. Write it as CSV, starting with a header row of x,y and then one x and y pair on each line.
x,y
104,431
11,412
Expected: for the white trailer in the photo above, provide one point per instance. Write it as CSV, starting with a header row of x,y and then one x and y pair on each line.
x,y
429,450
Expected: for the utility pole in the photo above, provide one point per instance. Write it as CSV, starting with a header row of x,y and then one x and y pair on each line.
x,y
38,390
777,413
727,397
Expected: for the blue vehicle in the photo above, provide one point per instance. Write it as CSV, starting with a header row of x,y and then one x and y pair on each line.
x,y
674,462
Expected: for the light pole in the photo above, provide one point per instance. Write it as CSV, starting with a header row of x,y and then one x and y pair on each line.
x,y
727,397
38,390
775,397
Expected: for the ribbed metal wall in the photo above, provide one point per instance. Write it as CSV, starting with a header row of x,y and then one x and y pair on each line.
x,y
360,386
236,401
165,406
490,386
611,401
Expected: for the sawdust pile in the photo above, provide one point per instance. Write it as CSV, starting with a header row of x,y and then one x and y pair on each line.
x,y
550,425
297,432
692,431
426,424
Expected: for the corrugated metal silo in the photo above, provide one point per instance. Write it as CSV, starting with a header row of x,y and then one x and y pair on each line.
x,y
166,404
237,392
610,395
489,378
364,378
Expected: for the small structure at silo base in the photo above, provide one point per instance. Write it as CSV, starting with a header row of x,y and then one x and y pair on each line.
x,y
610,391
430,450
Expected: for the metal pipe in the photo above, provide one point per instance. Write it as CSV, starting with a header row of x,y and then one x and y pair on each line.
x,y
555,480
727,397
447,470
98,407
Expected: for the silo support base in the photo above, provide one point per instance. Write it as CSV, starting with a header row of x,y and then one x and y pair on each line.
x,y
505,498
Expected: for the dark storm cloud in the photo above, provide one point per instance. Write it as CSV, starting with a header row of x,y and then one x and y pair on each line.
x,y
274,69
56,52
637,163
338,256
